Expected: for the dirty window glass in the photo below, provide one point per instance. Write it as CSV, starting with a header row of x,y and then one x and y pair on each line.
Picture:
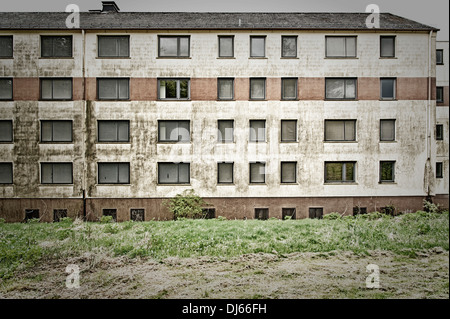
x,y
257,172
288,130
174,131
387,130
113,131
113,173
174,46
226,46
225,132
225,89
56,173
56,89
6,173
288,172
113,46
387,44
289,47
56,131
340,47
257,89
225,173
340,88
6,89
289,89
257,131
56,46
6,131
173,173
113,89
6,46
340,130
257,47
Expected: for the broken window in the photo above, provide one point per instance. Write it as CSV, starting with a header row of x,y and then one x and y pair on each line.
x,y
56,131
342,89
339,172
439,170
440,57
6,173
257,89
261,213
173,173
359,210
56,89
174,46
113,89
6,89
110,212
6,46
289,89
6,131
289,46
288,172
387,130
388,89
208,213
113,131
113,46
56,46
340,47
137,214
31,214
114,173
58,214
288,212
225,173
439,132
225,89
174,131
439,94
174,89
257,130
387,46
226,46
387,171
288,130
257,46
316,212
340,130
225,131
257,173
56,173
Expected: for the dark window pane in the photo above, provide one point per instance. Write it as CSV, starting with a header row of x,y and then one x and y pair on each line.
x,y
387,171
257,46
226,46
257,89
113,46
56,173
56,89
439,132
6,46
439,170
56,46
225,173
289,87
168,46
257,172
387,47
173,173
439,56
289,172
225,89
113,89
6,131
288,130
388,88
387,130
225,131
6,173
341,47
6,89
257,131
440,94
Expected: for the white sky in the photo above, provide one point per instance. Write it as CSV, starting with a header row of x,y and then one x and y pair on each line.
x,y
430,12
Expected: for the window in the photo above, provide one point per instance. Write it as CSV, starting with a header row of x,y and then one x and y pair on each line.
x,y
289,46
288,89
6,173
113,131
257,89
110,212
387,171
340,130
288,172
387,46
225,173
225,131
56,89
226,46
173,173
208,213
315,212
440,57
257,130
113,89
113,46
439,132
340,47
56,131
288,213
6,89
439,170
387,130
31,214
439,94
174,89
288,130
340,89
56,46
262,213
257,46
114,173
359,210
58,214
257,173
56,173
6,131
388,89
225,89
6,46
174,131
339,172
137,214
174,46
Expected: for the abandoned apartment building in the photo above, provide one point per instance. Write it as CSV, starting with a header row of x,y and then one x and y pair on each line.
x,y
261,114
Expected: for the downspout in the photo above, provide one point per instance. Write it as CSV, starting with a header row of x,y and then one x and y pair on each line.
x,y
83,35
428,164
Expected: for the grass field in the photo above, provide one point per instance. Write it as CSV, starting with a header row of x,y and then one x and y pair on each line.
x,y
29,248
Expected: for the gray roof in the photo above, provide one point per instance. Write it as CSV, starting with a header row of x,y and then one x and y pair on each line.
x,y
206,21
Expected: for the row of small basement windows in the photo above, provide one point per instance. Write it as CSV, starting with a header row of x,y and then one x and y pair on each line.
x,y
178,46
179,131
179,173
61,89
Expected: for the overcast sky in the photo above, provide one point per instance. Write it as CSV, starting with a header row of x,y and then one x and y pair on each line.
x,y
430,12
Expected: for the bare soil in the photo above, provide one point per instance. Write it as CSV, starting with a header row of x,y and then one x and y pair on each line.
x,y
297,275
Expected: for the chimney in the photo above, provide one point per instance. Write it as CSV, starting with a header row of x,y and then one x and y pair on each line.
x,y
110,6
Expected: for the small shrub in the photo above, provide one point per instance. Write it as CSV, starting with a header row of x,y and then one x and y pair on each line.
x,y
111,228
431,207
187,204
106,219
332,216
221,218
287,217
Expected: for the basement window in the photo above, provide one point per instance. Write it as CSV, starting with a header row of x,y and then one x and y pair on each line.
x,y
58,214
262,213
257,131
289,89
439,170
113,46
340,130
113,89
289,46
31,214
174,46
56,173
257,173
6,46
225,89
6,173
257,89
288,130
174,89
387,130
387,172
6,89
340,47
6,131
208,213
114,173
439,94
173,173
225,173
288,212
257,46
225,132
174,131
387,87
56,89
387,46
137,214
226,46
288,172
110,212
316,212
340,89
113,131
56,46
359,210
56,131
340,172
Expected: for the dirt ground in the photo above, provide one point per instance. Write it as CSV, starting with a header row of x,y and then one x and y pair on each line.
x,y
268,276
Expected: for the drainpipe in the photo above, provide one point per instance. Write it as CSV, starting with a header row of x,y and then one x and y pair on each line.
x,y
83,35
429,116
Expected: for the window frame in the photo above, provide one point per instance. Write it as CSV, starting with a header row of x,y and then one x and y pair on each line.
x,y
178,98
344,170
281,131
439,170
296,46
395,45
12,132
52,139
111,37
110,164
232,46
345,56
251,46
232,89
264,89
53,48
111,121
440,88
250,173
395,130
178,173
12,89
178,56
394,90
178,126
385,181
52,166
117,98
439,132
295,172
442,55
223,141
344,122
55,79
250,132
232,173
345,89
11,165
282,89
12,47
